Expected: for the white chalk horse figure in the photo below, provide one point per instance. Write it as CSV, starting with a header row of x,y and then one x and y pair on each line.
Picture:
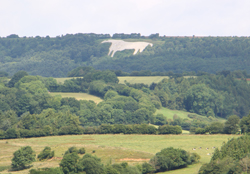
x,y
120,45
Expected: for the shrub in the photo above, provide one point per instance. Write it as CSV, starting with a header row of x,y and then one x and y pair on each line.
x,y
81,151
90,164
200,130
46,154
194,158
169,129
147,168
171,158
71,150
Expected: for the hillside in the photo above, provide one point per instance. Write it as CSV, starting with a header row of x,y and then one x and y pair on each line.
x,y
46,56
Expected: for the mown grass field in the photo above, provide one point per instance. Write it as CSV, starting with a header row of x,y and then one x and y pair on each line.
x,y
115,148
78,96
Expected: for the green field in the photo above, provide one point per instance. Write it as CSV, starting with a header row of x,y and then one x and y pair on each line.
x,y
115,148
168,113
131,79
141,79
78,96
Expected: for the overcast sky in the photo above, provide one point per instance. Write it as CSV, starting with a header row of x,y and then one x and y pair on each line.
x,y
166,17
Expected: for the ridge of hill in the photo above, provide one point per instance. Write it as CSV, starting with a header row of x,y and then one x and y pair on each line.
x,y
47,56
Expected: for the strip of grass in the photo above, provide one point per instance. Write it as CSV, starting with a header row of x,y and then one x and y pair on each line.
x,y
78,96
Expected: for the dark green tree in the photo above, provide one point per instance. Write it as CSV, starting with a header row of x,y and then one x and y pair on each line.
x,y
68,163
17,76
90,164
215,128
23,157
232,124
245,124
170,159
147,168
46,154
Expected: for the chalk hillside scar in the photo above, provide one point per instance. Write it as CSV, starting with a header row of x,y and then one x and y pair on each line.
x,y
120,45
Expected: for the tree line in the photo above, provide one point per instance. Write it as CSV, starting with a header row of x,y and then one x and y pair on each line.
x,y
71,129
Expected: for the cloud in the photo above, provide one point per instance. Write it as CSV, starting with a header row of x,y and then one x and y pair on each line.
x,y
167,17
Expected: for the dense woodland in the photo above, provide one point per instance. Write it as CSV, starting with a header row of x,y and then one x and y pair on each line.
x,y
28,110
46,56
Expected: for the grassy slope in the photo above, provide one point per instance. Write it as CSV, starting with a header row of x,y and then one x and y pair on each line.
x,y
115,147
131,79
182,114
78,96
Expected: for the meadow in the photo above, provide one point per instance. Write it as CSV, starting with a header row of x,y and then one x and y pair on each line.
x,y
78,96
118,148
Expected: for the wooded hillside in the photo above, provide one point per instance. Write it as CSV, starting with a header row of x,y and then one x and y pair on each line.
x,y
57,56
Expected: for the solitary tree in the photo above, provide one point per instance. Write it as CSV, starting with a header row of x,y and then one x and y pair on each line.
x,y
23,157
